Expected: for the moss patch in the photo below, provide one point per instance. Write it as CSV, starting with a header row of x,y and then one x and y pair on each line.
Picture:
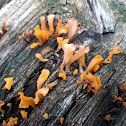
x,y
16,62
121,7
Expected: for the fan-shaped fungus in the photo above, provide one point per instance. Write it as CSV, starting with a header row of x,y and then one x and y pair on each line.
x,y
61,120
41,35
24,114
59,26
4,123
82,51
1,104
72,26
30,35
118,98
68,53
75,72
50,22
12,121
61,43
91,84
8,84
62,75
94,64
42,78
39,93
51,85
46,116
43,24
39,56
115,50
25,101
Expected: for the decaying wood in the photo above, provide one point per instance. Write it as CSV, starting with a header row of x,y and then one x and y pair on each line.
x,y
101,31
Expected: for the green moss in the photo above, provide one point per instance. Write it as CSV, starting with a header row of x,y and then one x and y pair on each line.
x,y
15,54
27,61
110,66
51,2
16,62
105,54
56,7
121,7
113,5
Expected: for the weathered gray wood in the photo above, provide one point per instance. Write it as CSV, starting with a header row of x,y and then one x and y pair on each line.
x,y
17,59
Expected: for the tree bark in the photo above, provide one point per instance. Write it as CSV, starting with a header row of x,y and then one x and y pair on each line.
x,y
102,25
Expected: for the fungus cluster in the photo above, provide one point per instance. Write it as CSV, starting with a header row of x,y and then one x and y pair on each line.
x,y
12,121
71,55
94,65
41,92
91,83
29,34
121,98
115,50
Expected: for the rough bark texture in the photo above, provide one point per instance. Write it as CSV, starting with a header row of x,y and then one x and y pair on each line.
x,y
102,25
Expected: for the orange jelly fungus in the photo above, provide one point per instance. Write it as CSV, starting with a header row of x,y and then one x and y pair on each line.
x,y
3,29
51,85
4,123
39,56
62,75
72,26
43,34
61,43
61,120
29,34
91,83
118,98
46,116
68,53
78,56
78,81
115,50
59,26
108,117
34,45
94,65
23,37
24,114
41,92
1,104
50,22
75,72
26,101
13,121
42,78
8,84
